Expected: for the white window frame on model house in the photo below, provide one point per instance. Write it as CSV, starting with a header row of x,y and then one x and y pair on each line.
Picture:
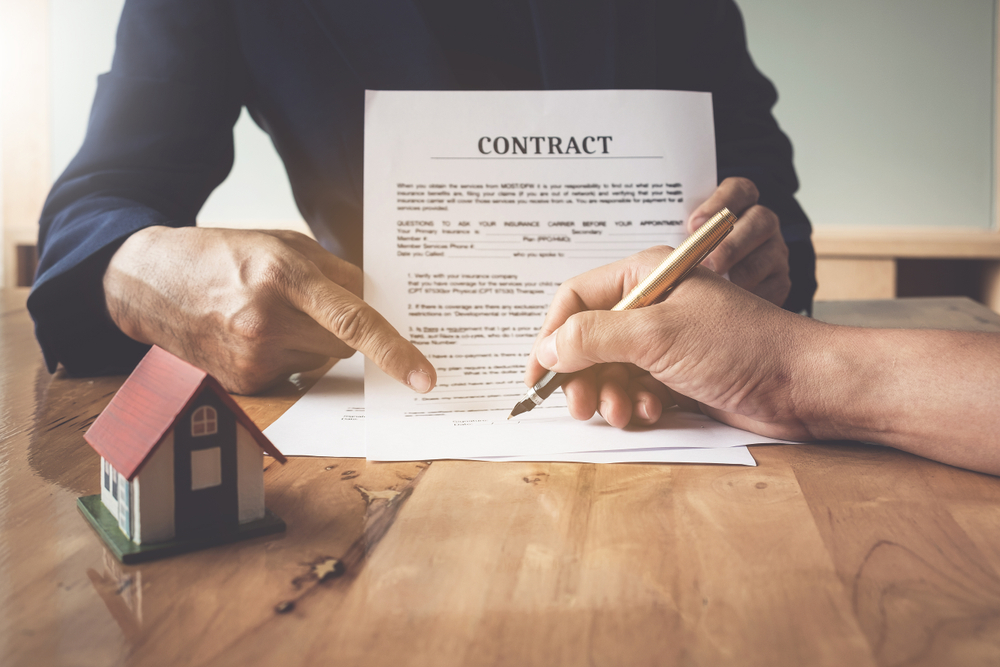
x,y
204,421
119,490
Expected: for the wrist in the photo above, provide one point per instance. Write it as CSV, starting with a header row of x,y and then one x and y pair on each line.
x,y
127,270
843,384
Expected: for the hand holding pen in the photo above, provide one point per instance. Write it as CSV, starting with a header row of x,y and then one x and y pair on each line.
x,y
656,285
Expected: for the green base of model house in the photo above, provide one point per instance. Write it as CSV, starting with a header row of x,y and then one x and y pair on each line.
x,y
127,551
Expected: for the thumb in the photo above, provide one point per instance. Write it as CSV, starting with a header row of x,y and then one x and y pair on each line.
x,y
596,337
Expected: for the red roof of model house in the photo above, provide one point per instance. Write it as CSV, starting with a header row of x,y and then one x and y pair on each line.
x,y
159,389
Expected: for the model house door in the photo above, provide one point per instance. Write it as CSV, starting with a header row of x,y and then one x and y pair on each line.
x,y
205,494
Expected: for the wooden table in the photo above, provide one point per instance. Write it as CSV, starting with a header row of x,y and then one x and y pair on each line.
x,y
833,554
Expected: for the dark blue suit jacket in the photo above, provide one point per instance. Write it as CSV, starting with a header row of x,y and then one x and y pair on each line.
x,y
160,132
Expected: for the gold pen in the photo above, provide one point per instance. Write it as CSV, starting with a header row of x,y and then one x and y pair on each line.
x,y
659,283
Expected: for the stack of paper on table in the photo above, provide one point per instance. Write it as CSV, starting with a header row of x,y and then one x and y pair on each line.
x,y
477,206
330,421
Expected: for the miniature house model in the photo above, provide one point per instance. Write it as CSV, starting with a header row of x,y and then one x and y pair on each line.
x,y
181,463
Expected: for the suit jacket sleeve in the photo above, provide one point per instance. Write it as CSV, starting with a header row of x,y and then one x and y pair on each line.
x,y
159,140
749,143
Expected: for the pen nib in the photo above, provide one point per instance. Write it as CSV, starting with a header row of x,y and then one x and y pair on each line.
x,y
523,406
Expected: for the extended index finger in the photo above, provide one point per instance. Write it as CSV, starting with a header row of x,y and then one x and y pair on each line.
x,y
360,326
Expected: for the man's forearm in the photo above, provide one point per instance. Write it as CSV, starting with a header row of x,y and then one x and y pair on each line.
x,y
932,393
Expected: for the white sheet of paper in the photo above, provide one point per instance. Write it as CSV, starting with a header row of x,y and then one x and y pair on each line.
x,y
330,419
477,205
729,455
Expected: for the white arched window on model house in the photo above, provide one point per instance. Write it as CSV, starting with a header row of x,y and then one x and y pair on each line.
x,y
204,421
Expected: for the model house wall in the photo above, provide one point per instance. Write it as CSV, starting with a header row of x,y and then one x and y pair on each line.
x,y
153,495
250,474
150,516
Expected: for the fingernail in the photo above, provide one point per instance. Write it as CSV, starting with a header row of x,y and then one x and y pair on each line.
x,y
419,381
709,263
643,411
697,222
546,354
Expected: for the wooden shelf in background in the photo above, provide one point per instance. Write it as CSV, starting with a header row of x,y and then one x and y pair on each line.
x,y
860,263
907,242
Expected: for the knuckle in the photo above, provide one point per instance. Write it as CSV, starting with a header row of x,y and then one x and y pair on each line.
x,y
764,220
295,236
772,217
745,275
386,355
247,376
755,268
350,323
268,270
341,351
352,271
639,266
567,296
652,256
576,331
353,278
568,289
784,286
775,255
281,234
655,252
725,256
289,237
746,188
782,247
249,327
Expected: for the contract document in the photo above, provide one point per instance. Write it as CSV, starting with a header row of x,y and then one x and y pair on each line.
x,y
329,420
477,206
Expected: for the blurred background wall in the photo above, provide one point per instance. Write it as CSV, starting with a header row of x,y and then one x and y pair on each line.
x,y
891,106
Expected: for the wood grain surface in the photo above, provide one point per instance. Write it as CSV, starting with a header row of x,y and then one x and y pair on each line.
x,y
825,554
